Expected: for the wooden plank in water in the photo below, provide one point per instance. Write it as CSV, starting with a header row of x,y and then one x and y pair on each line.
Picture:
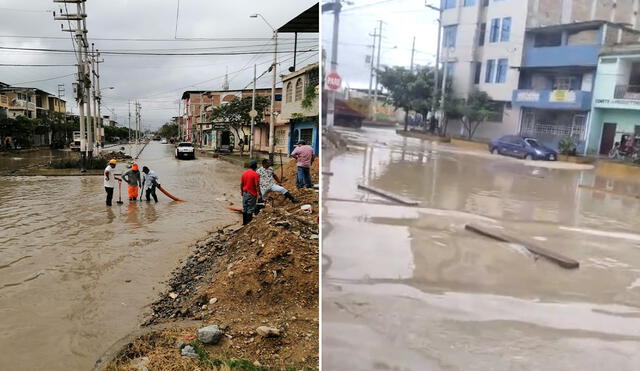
x,y
559,259
389,196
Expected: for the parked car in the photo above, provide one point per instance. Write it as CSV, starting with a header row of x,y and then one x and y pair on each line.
x,y
163,141
185,150
522,147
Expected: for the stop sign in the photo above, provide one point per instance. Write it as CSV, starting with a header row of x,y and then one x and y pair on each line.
x,y
334,81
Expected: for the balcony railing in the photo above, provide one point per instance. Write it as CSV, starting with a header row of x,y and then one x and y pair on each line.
x,y
630,92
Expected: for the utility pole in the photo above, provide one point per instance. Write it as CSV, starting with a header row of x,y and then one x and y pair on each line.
x,y
98,97
445,63
179,121
272,116
373,53
129,130
83,82
413,51
252,113
375,93
331,101
437,66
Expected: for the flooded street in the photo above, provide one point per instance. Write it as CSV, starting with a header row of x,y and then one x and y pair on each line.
x,y
408,288
76,275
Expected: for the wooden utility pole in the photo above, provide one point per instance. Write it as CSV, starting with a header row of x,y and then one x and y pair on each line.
x,y
375,93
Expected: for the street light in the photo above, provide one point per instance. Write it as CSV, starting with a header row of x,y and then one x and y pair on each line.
x,y
272,123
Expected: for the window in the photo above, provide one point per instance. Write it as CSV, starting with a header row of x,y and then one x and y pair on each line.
x,y
469,2
506,29
450,33
483,34
298,94
495,30
307,136
289,92
547,39
488,74
451,67
478,72
501,72
564,82
497,111
448,4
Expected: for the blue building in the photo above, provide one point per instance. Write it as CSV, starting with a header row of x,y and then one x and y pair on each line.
x,y
300,105
556,79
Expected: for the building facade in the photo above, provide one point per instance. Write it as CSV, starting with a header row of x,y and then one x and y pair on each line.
x,y
486,45
616,99
300,108
196,127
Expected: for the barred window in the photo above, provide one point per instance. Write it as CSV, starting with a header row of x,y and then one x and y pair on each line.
x,y
299,89
289,92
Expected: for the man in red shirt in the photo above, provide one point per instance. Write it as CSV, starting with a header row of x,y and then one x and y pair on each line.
x,y
249,188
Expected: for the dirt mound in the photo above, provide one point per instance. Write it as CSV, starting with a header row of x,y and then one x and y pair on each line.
x,y
119,155
262,274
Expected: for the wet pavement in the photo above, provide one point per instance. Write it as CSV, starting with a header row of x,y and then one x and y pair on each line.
x,y
408,288
75,275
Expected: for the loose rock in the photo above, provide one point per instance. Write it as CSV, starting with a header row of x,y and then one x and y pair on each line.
x,y
266,331
189,352
210,334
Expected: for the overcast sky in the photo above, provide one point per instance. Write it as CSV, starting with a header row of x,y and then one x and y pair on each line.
x,y
402,20
156,81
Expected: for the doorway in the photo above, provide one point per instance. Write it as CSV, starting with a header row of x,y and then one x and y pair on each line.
x,y
608,136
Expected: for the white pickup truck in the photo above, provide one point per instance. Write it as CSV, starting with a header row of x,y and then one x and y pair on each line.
x,y
185,150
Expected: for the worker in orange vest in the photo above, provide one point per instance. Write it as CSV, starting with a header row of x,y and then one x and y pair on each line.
x,y
134,181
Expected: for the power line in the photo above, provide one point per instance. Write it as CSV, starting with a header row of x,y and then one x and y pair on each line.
x,y
52,78
180,39
156,54
36,65
25,10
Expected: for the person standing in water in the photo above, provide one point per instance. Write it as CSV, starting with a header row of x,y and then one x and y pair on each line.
x,y
151,181
110,180
134,181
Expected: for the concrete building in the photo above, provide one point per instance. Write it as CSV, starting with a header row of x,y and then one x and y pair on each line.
x,y
484,44
301,86
556,79
616,98
196,128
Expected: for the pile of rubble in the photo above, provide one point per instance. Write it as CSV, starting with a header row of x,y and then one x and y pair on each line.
x,y
118,155
258,283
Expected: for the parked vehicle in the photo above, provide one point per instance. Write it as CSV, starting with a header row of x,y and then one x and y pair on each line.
x,y
185,150
522,147
163,141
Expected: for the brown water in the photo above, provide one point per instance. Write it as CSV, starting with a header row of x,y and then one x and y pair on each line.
x,y
410,289
76,275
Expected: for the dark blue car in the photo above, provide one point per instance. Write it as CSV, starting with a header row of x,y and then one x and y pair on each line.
x,y
522,147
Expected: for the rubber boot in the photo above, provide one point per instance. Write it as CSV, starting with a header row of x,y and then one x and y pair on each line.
x,y
245,220
291,198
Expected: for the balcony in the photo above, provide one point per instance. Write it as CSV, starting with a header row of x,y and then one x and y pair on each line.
x,y
628,92
4,101
553,99
561,56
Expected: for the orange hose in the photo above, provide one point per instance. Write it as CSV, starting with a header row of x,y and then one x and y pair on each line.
x,y
169,194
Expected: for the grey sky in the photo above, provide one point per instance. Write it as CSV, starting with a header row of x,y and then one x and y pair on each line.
x,y
402,19
157,81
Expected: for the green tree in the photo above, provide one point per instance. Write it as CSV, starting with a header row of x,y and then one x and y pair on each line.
x,y
236,113
475,110
168,130
408,90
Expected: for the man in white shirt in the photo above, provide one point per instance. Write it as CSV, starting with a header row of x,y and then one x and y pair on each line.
x,y
110,180
269,182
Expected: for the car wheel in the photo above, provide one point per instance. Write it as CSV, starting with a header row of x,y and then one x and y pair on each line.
x,y
495,151
528,157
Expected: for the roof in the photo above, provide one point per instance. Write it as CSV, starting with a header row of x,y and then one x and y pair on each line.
x,y
301,71
186,94
621,49
580,26
307,21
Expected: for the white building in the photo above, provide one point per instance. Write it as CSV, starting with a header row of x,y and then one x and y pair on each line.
x,y
484,41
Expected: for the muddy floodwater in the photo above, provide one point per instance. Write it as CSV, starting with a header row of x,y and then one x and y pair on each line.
x,y
75,275
408,288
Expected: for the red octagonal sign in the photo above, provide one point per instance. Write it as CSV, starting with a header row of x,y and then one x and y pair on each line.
x,y
334,81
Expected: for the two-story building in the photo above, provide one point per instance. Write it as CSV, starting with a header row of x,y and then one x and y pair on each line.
x,y
616,98
300,107
486,44
196,127
556,79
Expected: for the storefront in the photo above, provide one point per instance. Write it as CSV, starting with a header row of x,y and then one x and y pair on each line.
x,y
549,127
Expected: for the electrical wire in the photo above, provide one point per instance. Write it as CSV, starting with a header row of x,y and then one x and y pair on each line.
x,y
180,39
36,65
155,54
49,79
